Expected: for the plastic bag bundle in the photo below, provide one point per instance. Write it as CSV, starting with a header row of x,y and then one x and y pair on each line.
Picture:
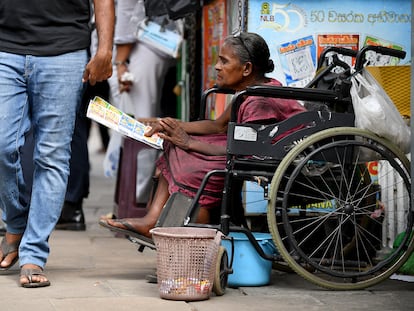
x,y
376,112
113,151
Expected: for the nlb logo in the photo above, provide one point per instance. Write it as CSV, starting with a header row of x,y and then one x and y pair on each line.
x,y
282,17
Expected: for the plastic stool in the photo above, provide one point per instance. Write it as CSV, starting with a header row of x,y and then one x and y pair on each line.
x,y
125,191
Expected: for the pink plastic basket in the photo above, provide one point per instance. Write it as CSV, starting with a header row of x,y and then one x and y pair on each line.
x,y
186,261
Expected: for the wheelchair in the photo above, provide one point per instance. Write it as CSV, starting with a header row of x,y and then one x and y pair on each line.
x,y
326,211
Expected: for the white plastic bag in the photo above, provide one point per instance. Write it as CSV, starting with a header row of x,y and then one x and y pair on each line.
x,y
111,160
376,112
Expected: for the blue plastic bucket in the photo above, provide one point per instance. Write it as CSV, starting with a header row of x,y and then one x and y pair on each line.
x,y
249,268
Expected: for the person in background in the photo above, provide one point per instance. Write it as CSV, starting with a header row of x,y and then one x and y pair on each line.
x,y
140,95
100,89
72,216
43,67
192,149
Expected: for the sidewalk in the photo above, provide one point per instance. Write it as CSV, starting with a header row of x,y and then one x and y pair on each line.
x,y
93,270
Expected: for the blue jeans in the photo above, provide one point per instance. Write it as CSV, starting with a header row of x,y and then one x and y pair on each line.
x,y
42,92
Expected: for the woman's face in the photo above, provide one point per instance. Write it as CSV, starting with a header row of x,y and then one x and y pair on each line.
x,y
230,72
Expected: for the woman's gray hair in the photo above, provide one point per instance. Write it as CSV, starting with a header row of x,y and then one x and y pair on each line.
x,y
251,47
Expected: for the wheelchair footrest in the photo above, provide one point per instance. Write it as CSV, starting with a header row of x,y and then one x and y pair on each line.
x,y
175,210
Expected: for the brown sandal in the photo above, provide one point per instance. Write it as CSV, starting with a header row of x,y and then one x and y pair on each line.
x,y
7,249
29,273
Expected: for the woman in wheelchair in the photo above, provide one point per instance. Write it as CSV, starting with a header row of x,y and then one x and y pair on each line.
x,y
192,149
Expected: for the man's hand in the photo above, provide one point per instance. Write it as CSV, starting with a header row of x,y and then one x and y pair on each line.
x,y
98,69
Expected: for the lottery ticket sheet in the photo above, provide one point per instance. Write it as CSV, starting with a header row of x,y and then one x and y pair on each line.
x,y
104,113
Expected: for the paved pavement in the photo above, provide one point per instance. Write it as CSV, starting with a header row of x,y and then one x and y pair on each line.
x,y
93,270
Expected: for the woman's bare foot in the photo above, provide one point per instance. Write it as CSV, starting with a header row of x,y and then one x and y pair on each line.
x,y
107,216
33,276
140,225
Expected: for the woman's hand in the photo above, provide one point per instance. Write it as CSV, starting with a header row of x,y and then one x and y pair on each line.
x,y
154,125
172,130
174,133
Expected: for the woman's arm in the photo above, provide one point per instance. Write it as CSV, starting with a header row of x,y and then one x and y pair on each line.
x,y
174,132
216,126
206,148
201,127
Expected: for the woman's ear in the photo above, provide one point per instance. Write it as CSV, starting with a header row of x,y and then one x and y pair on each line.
x,y
248,69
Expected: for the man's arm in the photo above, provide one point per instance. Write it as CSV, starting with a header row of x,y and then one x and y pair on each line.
x,y
99,67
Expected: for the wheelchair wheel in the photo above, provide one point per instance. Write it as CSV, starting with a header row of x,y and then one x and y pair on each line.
x,y
221,275
329,216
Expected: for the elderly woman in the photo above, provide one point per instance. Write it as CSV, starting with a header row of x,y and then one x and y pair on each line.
x,y
191,149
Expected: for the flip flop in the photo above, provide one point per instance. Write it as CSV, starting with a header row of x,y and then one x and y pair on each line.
x,y
29,273
7,249
129,232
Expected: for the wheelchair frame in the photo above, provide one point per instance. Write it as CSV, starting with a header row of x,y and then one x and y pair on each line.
x,y
321,136
339,248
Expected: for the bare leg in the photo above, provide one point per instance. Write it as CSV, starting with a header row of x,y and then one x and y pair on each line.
x,y
203,216
145,224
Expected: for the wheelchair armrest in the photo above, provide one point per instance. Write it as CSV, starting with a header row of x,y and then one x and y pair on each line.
x,y
273,141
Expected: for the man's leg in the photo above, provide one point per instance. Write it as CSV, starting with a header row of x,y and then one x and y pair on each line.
x,y
14,117
55,90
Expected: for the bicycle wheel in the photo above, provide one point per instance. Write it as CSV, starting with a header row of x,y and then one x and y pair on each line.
x,y
333,231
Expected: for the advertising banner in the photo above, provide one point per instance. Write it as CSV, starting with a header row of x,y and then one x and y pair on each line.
x,y
298,30
214,31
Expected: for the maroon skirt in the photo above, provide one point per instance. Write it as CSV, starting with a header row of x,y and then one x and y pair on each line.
x,y
184,171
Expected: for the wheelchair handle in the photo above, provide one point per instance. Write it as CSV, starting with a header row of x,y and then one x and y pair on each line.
x,y
283,92
338,50
206,93
360,58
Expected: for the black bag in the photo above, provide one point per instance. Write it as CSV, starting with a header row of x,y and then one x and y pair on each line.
x,y
180,8
175,9
154,8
